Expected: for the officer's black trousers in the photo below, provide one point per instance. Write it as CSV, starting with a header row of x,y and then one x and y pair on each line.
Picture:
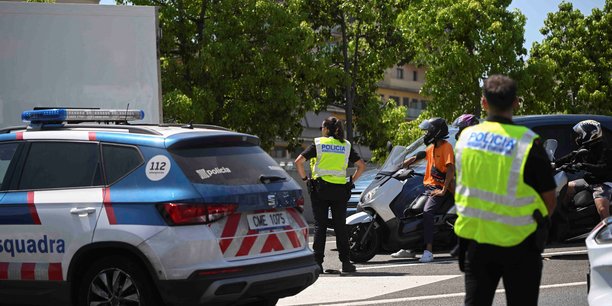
x,y
333,196
519,266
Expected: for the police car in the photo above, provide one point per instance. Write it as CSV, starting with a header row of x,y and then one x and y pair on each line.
x,y
96,211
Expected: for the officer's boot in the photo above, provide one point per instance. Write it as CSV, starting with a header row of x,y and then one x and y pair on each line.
x,y
348,267
320,267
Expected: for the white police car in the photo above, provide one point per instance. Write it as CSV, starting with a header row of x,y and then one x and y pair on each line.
x,y
121,214
599,247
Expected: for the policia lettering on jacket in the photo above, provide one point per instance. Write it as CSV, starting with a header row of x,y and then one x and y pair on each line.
x,y
505,189
328,187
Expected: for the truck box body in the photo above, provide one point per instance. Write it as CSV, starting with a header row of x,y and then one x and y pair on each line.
x,y
78,55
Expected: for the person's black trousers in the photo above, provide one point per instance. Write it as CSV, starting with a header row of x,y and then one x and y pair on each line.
x,y
334,196
519,266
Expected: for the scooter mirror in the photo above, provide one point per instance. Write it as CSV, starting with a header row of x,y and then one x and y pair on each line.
x,y
550,145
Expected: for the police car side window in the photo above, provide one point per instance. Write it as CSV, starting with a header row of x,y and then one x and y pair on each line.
x,y
7,154
119,161
61,165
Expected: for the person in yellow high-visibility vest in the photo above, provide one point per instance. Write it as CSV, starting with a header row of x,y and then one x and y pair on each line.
x,y
329,188
504,194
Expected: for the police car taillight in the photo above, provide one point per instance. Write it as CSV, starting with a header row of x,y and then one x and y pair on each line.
x,y
81,115
188,213
299,204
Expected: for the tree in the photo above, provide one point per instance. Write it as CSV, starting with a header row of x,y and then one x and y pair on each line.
x,y
572,64
462,42
359,39
243,64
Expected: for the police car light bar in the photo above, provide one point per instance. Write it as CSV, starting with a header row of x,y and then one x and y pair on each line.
x,y
81,115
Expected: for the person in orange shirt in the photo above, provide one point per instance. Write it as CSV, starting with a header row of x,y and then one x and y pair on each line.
x,y
438,179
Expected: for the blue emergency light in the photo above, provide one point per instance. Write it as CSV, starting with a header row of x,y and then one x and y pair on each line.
x,y
68,115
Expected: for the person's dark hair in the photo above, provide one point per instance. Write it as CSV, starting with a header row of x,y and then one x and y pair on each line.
x,y
335,128
500,91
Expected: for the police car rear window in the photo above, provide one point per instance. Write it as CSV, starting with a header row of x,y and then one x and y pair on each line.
x,y
232,165
120,161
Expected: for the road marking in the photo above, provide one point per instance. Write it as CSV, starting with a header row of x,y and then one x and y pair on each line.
x,y
564,253
342,289
441,296
326,242
414,262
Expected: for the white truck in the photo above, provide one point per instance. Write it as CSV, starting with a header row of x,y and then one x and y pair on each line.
x,y
78,55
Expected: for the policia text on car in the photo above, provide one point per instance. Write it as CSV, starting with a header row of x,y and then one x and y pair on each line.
x,y
505,193
329,188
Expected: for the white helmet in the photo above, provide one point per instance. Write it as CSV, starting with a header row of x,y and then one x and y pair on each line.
x,y
587,132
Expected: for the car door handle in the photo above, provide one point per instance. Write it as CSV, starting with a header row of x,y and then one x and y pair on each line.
x,y
83,212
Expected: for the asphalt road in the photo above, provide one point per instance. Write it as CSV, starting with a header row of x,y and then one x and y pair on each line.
x,y
388,281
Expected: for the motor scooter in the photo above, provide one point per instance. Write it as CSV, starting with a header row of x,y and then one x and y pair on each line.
x,y
573,219
390,212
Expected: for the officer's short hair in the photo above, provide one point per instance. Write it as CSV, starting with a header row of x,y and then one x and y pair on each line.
x,y
500,91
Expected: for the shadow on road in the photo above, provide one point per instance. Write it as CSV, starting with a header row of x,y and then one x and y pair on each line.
x,y
568,257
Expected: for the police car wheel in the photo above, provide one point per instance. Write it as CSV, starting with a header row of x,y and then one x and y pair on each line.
x,y
116,281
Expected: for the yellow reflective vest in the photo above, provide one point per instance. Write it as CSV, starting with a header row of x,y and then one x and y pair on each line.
x,y
494,204
332,159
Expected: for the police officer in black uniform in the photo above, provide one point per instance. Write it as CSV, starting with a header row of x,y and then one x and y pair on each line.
x,y
329,188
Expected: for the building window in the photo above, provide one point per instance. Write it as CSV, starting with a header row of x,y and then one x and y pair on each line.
x,y
414,104
405,101
423,104
396,99
415,76
399,73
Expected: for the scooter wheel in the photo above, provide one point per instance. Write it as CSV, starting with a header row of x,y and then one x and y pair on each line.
x,y
363,244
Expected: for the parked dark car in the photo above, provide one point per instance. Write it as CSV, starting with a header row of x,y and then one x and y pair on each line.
x,y
568,221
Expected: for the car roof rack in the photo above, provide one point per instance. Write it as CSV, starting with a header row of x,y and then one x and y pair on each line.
x,y
132,129
190,126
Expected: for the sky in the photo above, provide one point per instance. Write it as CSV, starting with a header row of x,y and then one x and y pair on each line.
x,y
534,10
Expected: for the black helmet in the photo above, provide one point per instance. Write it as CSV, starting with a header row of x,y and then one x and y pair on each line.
x,y
436,129
587,132
464,121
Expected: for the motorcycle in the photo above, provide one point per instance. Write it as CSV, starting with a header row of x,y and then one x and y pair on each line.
x,y
390,212
575,218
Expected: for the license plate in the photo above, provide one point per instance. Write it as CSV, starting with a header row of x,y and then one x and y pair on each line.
x,y
267,220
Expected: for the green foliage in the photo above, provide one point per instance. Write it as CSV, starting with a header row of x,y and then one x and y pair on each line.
x,y
359,39
571,66
403,134
461,43
243,64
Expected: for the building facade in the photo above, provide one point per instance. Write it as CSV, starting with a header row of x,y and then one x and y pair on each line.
x,y
403,85
400,83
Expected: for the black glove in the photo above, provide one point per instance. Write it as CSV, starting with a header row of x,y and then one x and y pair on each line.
x,y
350,185
542,230
310,185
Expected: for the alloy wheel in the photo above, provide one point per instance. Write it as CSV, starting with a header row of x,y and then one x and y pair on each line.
x,y
113,287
